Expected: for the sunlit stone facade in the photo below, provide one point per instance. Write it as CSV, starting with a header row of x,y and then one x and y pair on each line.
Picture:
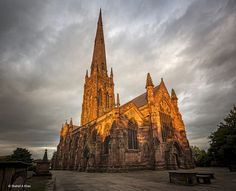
x,y
145,133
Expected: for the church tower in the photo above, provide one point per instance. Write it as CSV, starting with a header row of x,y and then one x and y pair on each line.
x,y
98,96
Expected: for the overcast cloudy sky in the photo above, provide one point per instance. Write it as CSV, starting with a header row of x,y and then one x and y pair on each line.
x,y
46,47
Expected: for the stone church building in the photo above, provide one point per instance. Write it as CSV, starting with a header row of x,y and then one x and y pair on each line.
x,y
145,133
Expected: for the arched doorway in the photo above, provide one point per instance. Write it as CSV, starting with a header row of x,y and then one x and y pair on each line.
x,y
85,158
173,155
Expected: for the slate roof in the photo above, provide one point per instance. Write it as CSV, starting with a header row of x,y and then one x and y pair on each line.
x,y
141,100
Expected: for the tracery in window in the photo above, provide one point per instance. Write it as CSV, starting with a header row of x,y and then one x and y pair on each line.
x,y
99,97
132,135
106,145
107,100
103,67
167,127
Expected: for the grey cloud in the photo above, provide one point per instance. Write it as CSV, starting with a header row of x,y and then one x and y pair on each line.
x,y
46,47
208,64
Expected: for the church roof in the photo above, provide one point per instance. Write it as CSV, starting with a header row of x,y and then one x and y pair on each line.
x,y
141,100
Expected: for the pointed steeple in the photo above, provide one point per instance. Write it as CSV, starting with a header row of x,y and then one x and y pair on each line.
x,y
111,74
71,122
118,100
100,15
99,64
45,156
102,99
173,95
149,81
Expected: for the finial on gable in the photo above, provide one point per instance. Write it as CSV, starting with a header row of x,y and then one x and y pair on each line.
x,y
173,95
111,74
71,122
149,81
162,82
118,100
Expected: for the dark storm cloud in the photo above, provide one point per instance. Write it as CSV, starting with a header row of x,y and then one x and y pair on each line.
x,y
46,47
210,66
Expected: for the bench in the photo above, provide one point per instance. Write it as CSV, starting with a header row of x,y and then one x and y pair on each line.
x,y
184,178
206,179
212,175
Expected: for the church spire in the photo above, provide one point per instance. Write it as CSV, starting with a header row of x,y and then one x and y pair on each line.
x,y
99,64
99,95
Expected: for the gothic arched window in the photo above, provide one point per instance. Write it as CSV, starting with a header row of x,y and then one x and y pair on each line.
x,y
106,145
132,136
167,127
94,136
107,100
99,97
103,67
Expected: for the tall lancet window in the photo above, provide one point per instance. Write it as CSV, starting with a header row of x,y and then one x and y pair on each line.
x,y
132,135
99,97
103,69
167,127
103,66
106,145
107,100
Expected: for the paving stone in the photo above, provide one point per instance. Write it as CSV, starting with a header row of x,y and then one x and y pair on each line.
x,y
138,181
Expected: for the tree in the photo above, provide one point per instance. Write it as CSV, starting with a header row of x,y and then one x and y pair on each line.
x,y
200,157
21,154
223,140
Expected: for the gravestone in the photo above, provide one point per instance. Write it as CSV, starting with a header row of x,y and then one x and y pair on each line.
x,y
42,166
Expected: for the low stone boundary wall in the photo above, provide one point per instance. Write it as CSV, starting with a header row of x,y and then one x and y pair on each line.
x,y
13,175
